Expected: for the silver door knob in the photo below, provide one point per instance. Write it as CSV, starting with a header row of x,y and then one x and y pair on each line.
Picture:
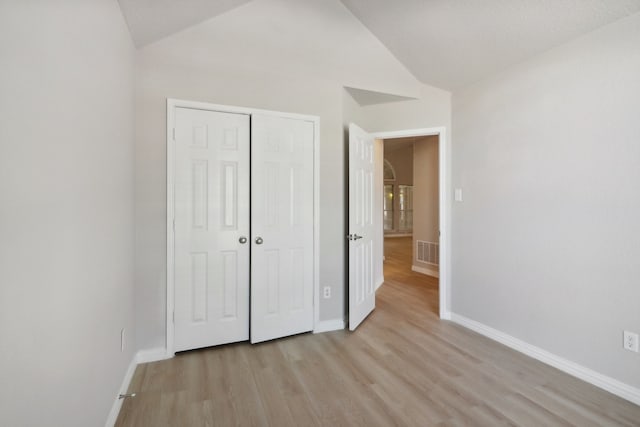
x,y
259,240
242,240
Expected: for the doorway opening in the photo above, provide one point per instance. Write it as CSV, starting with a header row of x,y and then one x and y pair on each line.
x,y
411,236
366,225
438,277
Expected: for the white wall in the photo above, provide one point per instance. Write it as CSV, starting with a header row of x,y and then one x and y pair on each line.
x,y
545,243
430,109
284,55
66,211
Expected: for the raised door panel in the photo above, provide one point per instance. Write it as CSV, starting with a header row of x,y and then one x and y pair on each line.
x,y
211,214
361,226
282,227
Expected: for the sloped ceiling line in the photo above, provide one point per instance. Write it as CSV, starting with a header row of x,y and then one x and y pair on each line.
x,y
369,97
444,43
152,20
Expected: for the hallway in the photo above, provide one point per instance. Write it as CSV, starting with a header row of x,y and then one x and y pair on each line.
x,y
400,280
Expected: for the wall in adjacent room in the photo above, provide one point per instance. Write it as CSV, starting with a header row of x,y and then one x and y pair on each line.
x,y
426,191
402,161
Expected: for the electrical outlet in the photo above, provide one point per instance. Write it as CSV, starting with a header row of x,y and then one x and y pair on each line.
x,y
122,339
327,292
630,341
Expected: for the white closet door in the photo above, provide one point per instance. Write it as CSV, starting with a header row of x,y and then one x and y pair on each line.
x,y
281,227
211,220
362,293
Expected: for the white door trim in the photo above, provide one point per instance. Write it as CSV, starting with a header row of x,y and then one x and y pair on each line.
x,y
444,157
172,104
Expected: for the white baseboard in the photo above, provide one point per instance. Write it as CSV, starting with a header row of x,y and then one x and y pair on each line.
x,y
329,325
392,235
425,271
152,355
380,282
597,379
117,404
143,356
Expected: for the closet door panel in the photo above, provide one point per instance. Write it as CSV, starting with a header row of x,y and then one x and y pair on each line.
x,y
211,215
281,227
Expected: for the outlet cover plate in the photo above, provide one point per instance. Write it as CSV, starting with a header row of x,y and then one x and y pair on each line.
x,y
630,341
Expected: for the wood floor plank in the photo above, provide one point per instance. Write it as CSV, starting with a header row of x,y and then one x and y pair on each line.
x,y
402,367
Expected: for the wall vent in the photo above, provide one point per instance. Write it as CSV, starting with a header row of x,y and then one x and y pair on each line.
x,y
428,252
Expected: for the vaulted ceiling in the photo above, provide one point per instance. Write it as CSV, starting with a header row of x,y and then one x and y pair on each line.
x,y
443,43
152,20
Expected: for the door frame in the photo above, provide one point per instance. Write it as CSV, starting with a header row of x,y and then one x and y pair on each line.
x,y
172,104
444,208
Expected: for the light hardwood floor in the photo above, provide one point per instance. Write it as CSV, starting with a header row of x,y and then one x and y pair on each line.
x,y
403,367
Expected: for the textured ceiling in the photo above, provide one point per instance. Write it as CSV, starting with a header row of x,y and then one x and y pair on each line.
x,y
443,43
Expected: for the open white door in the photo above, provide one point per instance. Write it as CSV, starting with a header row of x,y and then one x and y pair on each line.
x,y
362,296
211,228
281,226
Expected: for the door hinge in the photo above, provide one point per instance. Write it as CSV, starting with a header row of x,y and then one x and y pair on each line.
x,y
174,224
174,134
